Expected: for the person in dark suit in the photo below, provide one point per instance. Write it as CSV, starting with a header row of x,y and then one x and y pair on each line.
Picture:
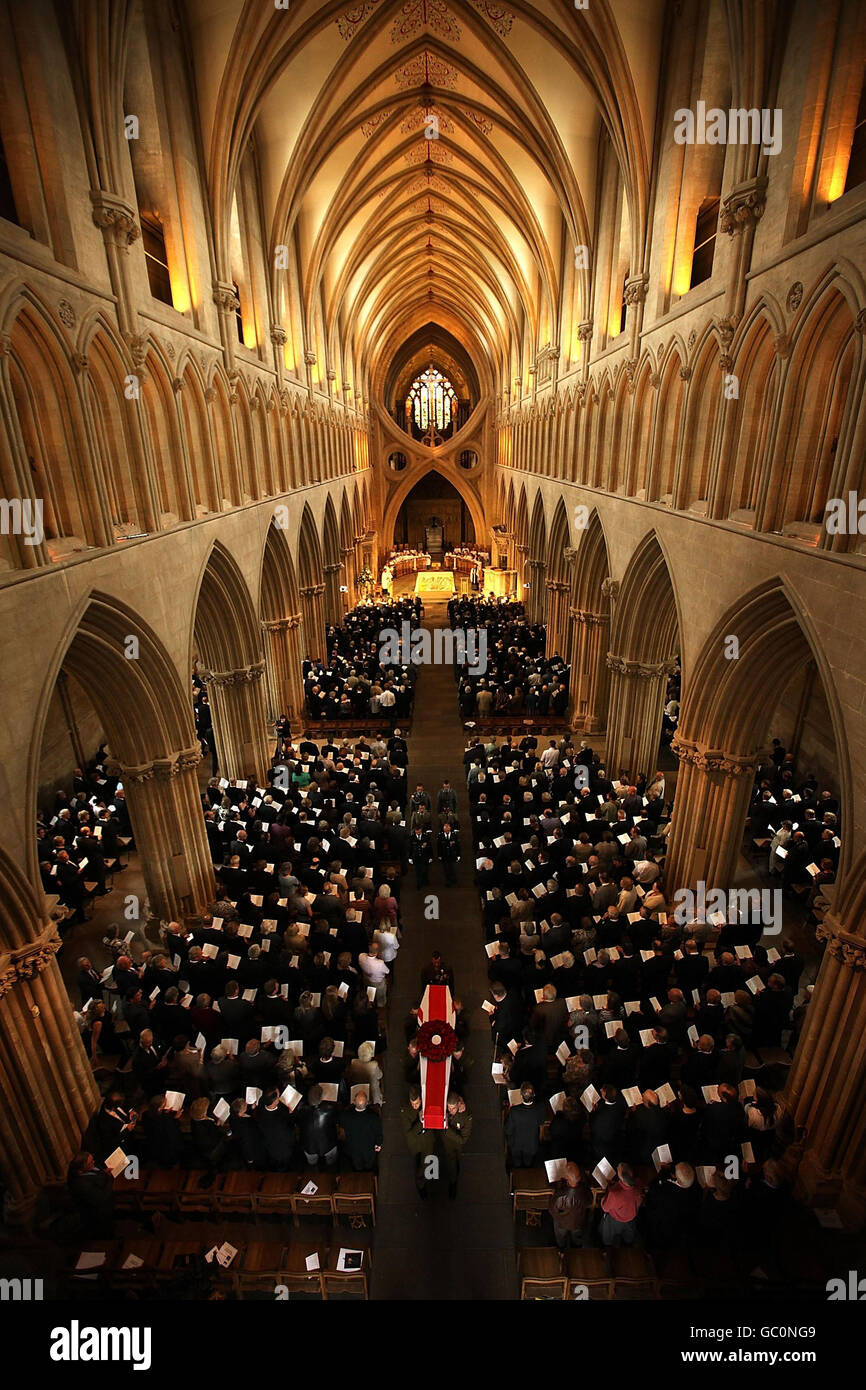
x,y
420,854
89,981
246,1136
362,1134
277,1129
523,1128
92,1191
147,1064
448,849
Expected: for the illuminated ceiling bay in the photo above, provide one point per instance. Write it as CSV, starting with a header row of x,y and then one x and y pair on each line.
x,y
428,161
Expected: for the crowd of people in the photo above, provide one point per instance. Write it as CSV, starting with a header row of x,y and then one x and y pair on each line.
x,y
253,1040
621,1033
516,677
355,682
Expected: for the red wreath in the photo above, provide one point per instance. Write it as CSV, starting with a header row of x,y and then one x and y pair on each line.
x,y
436,1040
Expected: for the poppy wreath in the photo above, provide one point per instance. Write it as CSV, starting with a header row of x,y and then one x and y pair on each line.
x,y
436,1040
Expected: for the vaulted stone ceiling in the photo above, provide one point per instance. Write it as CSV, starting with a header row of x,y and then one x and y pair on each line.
x,y
470,230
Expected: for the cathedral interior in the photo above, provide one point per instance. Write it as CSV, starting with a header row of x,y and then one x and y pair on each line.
x,y
565,304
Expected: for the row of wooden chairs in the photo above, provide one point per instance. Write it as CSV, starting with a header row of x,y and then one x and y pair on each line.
x,y
546,1272
177,1191
260,1268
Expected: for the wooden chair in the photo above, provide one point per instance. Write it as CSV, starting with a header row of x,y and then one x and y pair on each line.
x,y
195,1200
257,1268
587,1269
344,1281
274,1197
633,1273
236,1194
174,1261
136,1276
163,1187
128,1193
531,1194
541,1276
294,1274
676,1277
320,1203
355,1197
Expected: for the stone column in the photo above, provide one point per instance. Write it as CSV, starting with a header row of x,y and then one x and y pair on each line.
x,y
520,553
590,675
712,803
47,1090
637,690
283,665
333,597
535,606
240,725
826,1089
348,598
557,617
313,620
166,813
120,229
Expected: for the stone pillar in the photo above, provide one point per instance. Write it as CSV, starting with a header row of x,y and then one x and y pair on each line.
x,y
557,617
333,598
283,666
535,606
239,722
590,676
166,813
826,1089
120,229
520,553
348,598
313,620
712,803
47,1090
637,690
16,479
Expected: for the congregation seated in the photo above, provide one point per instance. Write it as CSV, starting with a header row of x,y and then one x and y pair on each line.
x,y
84,839
516,676
622,1035
360,678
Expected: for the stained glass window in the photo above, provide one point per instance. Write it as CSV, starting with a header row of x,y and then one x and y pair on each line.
x,y
432,401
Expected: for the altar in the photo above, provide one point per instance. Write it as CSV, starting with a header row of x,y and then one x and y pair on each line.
x,y
434,584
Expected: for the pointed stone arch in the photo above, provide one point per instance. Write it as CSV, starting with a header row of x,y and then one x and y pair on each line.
x,y
145,713
311,588
644,651
280,614
591,602
332,563
558,581
724,727
228,648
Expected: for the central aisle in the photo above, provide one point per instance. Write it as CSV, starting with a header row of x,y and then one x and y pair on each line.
x,y
441,1249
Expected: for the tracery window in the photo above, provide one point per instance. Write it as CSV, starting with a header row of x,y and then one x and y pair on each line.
x,y
432,402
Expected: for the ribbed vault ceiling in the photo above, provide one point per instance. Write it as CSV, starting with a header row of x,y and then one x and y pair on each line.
x,y
471,230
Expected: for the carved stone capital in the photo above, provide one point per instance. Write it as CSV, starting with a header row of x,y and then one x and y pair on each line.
x,y
610,588
635,289
276,625
312,591
640,670
587,618
715,759
685,373
245,675
225,297
744,206
584,331
279,336
163,769
842,945
177,385
26,962
309,357
116,218
332,569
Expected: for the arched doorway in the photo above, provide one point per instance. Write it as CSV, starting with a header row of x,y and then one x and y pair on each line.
x,y
435,515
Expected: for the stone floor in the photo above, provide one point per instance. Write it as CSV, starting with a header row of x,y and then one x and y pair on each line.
x,y
461,1249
